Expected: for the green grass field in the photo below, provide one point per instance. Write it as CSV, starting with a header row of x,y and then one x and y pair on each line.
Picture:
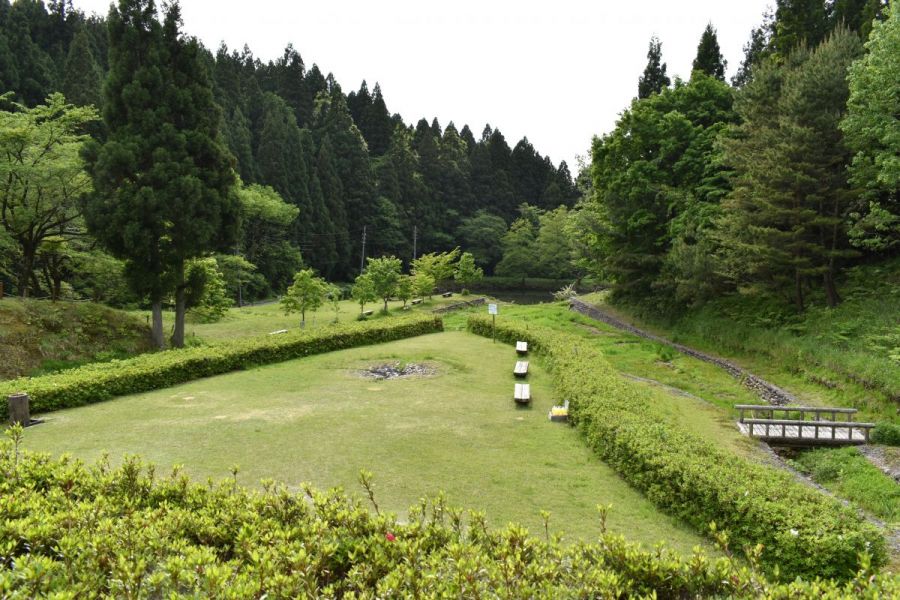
x,y
696,394
262,319
316,420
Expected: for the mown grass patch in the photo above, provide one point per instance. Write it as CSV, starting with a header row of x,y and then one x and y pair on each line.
x,y
317,420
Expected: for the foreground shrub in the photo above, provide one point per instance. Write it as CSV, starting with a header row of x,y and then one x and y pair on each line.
x,y
886,433
71,531
801,531
96,382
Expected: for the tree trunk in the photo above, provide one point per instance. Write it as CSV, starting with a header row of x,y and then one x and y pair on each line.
x,y
831,294
157,328
178,333
798,291
26,273
302,319
385,305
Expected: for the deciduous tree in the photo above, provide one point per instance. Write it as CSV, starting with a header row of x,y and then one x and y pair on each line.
x,y
872,128
384,273
42,175
306,293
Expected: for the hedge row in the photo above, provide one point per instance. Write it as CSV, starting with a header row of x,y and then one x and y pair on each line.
x,y
70,531
97,382
802,532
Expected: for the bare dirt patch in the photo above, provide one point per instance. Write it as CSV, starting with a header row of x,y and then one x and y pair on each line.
x,y
397,370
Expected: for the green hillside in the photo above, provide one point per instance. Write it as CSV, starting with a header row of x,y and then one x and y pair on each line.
x,y
40,336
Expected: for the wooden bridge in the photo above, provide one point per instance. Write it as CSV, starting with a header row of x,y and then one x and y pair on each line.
x,y
762,424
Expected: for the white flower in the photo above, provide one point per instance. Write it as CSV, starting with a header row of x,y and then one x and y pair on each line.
x,y
794,532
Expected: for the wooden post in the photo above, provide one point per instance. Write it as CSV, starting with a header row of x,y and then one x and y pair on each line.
x,y
19,409
751,429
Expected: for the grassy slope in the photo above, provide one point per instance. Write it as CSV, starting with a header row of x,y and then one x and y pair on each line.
x,y
847,356
38,336
316,420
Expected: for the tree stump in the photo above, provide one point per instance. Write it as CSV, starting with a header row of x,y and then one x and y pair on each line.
x,y
19,409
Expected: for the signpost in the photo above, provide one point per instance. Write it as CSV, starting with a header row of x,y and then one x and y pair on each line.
x,y
492,310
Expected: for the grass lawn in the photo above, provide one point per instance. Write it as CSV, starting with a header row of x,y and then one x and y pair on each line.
x,y
262,319
316,420
696,395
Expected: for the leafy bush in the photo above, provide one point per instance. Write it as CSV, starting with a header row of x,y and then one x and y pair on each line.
x,y
96,382
802,532
850,474
886,433
71,531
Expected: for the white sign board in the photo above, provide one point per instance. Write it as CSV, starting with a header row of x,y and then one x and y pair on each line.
x,y
492,309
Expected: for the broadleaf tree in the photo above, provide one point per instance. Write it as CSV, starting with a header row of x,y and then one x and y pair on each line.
x,y
307,293
42,175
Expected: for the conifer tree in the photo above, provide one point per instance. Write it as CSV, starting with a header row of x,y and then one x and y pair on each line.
x,y
798,22
654,78
784,224
164,183
709,58
756,48
327,179
83,79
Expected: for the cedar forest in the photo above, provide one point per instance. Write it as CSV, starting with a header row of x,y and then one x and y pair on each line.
x,y
168,153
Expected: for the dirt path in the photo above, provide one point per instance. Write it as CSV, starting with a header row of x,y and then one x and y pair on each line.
x,y
768,392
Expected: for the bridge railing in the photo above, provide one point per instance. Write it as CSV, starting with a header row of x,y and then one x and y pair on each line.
x,y
815,412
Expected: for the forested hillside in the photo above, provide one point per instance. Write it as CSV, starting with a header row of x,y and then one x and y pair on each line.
x,y
320,170
771,186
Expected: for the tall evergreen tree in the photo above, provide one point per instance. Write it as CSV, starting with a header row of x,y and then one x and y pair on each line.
x,y
799,22
784,222
82,84
648,171
326,176
164,183
756,48
654,78
709,57
351,159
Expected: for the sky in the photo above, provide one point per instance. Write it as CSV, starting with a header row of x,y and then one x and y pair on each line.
x,y
557,72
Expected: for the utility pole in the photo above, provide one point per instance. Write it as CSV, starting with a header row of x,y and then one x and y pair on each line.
x,y
415,239
362,256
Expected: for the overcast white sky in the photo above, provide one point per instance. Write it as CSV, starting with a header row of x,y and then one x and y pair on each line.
x,y
557,71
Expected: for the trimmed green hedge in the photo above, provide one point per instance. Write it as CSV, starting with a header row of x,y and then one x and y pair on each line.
x,y
70,531
802,532
97,382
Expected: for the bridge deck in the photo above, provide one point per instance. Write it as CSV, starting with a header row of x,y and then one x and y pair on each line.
x,y
810,434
